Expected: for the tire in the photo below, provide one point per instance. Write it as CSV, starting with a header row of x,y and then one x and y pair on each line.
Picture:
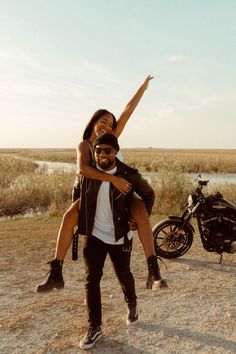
x,y
170,239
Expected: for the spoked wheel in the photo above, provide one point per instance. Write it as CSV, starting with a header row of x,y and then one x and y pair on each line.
x,y
171,239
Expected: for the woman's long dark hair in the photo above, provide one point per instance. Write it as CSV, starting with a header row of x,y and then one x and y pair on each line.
x,y
95,117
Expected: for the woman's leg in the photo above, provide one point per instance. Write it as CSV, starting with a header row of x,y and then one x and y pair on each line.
x,y
140,215
64,238
65,234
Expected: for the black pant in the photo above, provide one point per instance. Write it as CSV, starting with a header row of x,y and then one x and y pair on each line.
x,y
95,252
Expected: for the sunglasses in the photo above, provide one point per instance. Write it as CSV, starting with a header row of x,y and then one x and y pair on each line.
x,y
107,151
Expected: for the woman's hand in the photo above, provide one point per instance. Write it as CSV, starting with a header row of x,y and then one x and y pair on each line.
x,y
146,82
132,224
121,184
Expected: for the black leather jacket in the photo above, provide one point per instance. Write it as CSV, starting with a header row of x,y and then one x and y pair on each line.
x,y
119,202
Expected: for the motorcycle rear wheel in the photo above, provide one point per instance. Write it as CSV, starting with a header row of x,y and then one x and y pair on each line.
x,y
171,239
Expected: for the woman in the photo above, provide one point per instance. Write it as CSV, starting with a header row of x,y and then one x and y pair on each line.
x,y
103,122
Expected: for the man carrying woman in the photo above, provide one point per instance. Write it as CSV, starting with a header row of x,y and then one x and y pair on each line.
x,y
104,220
103,122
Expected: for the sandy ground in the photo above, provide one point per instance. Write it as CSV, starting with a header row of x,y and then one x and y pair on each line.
x,y
197,314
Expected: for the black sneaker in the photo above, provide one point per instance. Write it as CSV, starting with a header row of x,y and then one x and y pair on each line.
x,y
93,334
132,315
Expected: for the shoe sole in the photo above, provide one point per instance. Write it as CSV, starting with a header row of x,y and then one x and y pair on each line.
x,y
149,286
59,287
131,323
157,285
88,346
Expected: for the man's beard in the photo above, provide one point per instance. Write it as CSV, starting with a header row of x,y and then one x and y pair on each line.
x,y
105,165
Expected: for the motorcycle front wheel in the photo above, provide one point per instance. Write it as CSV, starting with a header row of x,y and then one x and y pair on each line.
x,y
171,238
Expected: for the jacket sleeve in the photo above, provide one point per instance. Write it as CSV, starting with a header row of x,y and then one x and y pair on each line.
x,y
144,190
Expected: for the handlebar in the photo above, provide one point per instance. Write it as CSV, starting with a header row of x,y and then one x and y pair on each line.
x,y
203,183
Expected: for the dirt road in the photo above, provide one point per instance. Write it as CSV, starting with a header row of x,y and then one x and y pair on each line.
x,y
197,314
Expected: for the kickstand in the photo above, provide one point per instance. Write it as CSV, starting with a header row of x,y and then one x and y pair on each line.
x,y
221,257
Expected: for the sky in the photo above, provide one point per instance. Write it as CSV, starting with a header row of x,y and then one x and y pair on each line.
x,y
61,60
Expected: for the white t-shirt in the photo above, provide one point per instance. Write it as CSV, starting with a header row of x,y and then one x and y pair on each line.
x,y
103,227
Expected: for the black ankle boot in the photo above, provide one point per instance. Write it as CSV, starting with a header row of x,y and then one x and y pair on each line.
x,y
154,279
54,279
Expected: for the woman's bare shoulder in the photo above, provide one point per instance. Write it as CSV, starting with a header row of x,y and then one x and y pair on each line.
x,y
83,145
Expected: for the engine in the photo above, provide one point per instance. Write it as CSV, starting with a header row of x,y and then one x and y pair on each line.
x,y
219,233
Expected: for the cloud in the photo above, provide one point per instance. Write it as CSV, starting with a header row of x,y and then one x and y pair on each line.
x,y
42,88
23,75
196,104
178,58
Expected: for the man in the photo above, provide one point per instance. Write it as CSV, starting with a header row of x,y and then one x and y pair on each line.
x,y
104,220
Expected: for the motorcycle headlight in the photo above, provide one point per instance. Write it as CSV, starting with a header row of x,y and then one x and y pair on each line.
x,y
190,200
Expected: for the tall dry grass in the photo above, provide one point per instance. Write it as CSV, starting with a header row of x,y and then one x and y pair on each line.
x,y
11,167
197,161
171,188
152,159
57,155
24,188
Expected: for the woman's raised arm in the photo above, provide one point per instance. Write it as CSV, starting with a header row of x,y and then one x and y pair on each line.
x,y
130,107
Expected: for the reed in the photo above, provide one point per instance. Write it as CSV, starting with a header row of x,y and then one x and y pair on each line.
x,y
54,155
25,188
171,188
11,168
152,159
197,161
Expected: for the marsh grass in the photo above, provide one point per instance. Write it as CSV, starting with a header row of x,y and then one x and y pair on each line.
x,y
149,159
172,188
25,188
53,155
11,168
197,161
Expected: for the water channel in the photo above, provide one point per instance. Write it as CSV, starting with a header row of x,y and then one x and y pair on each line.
x,y
215,178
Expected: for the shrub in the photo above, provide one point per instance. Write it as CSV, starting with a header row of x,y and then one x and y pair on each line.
x,y
26,189
172,188
11,168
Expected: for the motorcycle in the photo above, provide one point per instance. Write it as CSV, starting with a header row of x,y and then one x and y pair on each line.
x,y
216,221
